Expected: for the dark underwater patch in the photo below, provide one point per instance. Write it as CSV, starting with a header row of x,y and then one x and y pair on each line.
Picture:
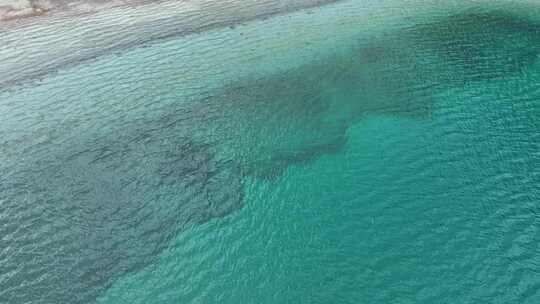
x,y
295,116
73,222
482,45
306,111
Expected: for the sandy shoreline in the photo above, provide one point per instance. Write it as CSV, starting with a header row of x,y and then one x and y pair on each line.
x,y
12,10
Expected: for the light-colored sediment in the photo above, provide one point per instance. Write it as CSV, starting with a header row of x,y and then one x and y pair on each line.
x,y
15,9
20,9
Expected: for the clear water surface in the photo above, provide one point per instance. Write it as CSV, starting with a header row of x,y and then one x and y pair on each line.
x,y
355,152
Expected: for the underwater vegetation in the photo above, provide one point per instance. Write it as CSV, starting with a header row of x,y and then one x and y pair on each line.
x,y
78,218
482,45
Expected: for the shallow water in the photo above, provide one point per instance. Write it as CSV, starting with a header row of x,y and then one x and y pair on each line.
x,y
364,151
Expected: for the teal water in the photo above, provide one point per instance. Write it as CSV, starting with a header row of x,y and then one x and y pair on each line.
x,y
358,152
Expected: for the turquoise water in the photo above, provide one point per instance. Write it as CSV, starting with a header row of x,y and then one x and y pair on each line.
x,y
359,152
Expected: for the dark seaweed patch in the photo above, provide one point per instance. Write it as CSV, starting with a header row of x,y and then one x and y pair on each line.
x,y
297,115
103,209
483,44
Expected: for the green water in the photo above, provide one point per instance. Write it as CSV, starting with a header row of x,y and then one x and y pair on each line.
x,y
359,152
